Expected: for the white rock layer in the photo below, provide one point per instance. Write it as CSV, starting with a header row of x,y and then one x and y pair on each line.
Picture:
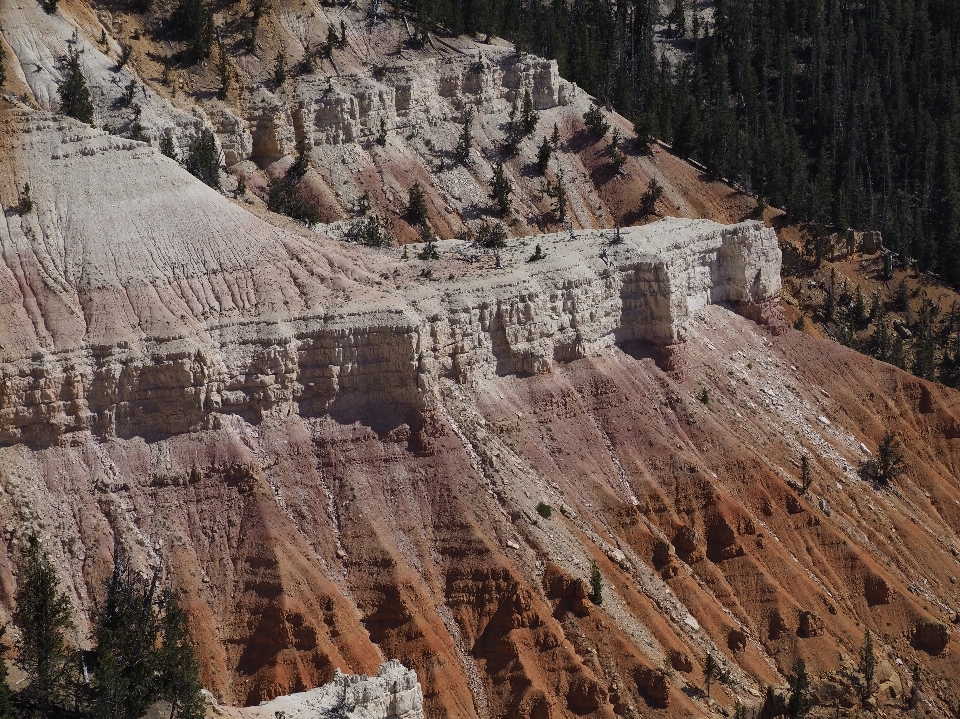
x,y
139,301
394,693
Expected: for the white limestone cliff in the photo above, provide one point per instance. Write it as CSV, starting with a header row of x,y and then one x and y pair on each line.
x,y
139,301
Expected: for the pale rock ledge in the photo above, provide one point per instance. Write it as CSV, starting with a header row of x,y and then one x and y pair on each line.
x,y
139,302
394,693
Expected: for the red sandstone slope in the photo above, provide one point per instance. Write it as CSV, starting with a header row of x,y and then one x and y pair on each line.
x,y
304,544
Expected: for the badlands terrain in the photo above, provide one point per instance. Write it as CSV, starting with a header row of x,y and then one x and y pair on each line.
x,y
338,452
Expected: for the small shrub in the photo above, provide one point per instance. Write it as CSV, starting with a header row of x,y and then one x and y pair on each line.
x,y
544,510
538,254
492,237
800,323
429,252
705,395
49,6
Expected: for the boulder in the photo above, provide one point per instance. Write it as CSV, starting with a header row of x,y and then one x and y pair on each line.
x,y
876,590
654,684
810,625
736,640
777,625
394,693
870,242
931,636
680,661
686,540
585,695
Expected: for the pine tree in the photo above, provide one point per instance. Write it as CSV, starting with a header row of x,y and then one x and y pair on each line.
x,y
193,22
179,670
914,687
500,189
799,703
465,141
889,463
125,671
223,70
3,70
286,195
806,476
416,205
924,364
43,617
166,147
595,122
859,307
560,199
74,95
555,138
528,116
280,70
650,198
543,156
203,159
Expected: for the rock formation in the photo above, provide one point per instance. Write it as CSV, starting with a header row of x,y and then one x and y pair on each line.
x,y
141,339
394,693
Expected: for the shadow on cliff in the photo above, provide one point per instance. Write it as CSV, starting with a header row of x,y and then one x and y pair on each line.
x,y
383,419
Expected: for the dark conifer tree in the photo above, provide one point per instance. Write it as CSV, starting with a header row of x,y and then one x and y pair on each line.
x,y
74,95
543,156
500,189
203,159
416,205
192,21
43,616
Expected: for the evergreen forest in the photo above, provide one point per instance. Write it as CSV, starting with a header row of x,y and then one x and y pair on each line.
x,y
842,113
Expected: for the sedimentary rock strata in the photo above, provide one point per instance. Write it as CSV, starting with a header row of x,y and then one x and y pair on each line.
x,y
118,329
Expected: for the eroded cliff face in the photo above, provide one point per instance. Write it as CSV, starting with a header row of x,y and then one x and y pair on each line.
x,y
127,338
339,453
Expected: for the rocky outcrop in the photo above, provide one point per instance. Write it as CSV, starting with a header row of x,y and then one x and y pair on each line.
x,y
394,693
931,636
